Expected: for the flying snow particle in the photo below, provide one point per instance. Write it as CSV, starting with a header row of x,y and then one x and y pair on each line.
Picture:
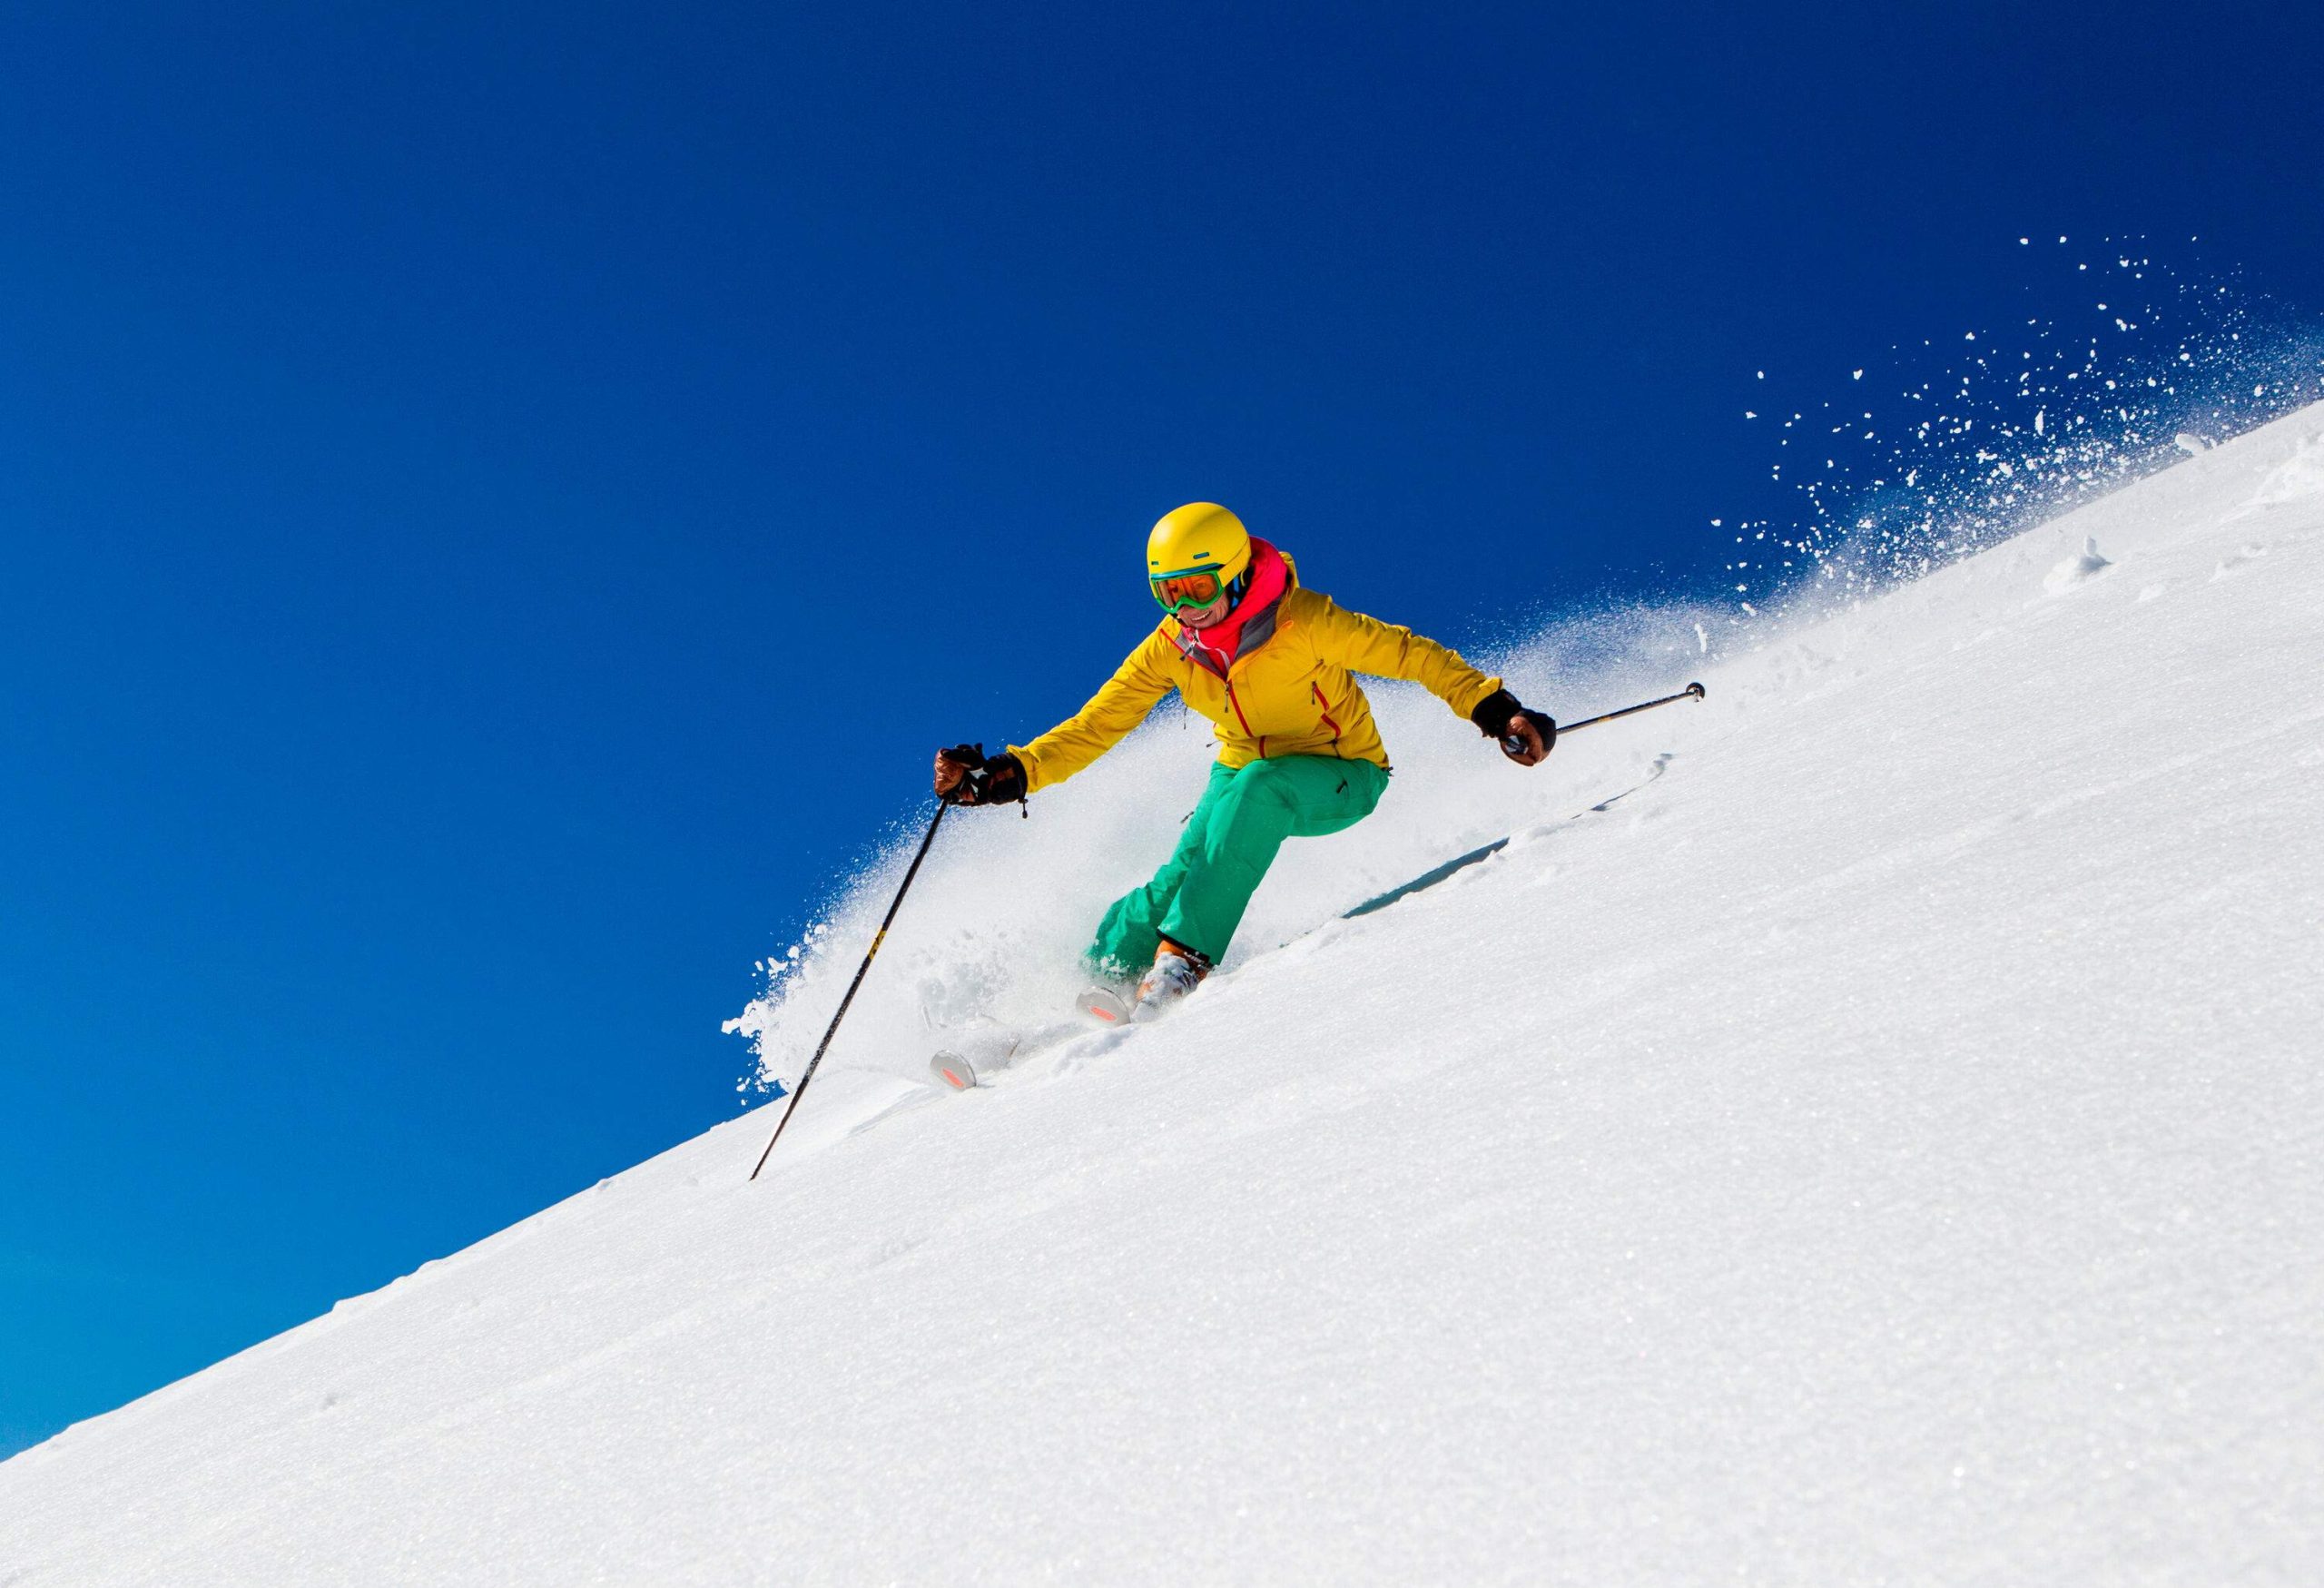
x,y
2039,414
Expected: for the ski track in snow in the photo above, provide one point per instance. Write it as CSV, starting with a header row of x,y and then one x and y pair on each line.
x,y
1885,1147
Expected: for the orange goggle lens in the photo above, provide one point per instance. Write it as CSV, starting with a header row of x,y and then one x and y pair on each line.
x,y
1176,592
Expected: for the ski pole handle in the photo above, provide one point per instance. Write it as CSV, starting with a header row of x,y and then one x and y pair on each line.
x,y
1516,745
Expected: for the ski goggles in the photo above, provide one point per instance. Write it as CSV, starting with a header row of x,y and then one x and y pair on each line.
x,y
1187,589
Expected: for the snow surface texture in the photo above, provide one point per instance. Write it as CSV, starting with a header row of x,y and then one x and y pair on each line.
x,y
1888,1146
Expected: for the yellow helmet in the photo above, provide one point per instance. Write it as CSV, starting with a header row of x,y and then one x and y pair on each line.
x,y
1201,537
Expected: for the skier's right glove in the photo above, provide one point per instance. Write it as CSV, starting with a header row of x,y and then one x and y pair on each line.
x,y
1526,737
966,775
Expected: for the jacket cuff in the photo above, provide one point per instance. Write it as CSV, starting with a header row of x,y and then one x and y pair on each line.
x,y
1492,715
1025,759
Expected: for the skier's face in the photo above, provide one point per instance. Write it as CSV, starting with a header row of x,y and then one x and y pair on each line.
x,y
1203,617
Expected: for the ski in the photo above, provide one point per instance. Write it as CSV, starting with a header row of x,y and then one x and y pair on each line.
x,y
1460,863
1105,1006
975,1055
983,1045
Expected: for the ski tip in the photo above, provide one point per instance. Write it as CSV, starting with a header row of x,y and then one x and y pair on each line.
x,y
1694,689
1105,1006
952,1070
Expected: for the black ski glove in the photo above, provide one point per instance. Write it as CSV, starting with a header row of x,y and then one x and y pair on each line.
x,y
966,775
1526,737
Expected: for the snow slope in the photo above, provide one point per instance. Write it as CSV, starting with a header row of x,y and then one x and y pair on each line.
x,y
1886,1147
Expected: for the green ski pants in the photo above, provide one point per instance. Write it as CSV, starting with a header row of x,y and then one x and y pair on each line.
x,y
1198,896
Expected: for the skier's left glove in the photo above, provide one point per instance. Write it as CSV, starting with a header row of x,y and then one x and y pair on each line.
x,y
1526,737
966,775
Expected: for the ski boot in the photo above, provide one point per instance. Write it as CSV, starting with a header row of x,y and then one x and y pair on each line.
x,y
1177,970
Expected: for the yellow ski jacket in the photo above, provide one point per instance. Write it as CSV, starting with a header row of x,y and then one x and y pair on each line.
x,y
1288,691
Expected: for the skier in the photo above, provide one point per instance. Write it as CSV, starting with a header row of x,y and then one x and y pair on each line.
x,y
1268,662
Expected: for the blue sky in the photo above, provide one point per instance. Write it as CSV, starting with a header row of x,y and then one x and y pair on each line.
x,y
498,503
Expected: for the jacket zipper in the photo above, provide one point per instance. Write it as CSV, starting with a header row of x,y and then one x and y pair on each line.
x,y
1239,717
1324,706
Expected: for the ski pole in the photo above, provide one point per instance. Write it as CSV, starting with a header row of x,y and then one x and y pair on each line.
x,y
1516,745
831,1031
1691,692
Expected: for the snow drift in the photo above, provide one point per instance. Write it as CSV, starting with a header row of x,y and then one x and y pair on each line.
x,y
1884,1146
